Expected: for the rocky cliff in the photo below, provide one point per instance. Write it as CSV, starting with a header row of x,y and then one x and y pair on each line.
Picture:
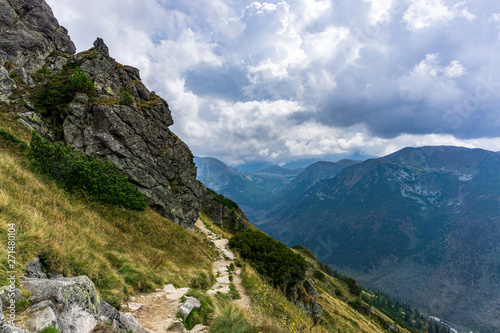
x,y
115,117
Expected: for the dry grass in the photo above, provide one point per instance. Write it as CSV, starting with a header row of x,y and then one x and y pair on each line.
x,y
122,251
271,311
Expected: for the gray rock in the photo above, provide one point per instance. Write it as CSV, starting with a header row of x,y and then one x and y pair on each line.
x,y
310,289
42,319
74,319
7,85
177,326
1,317
74,298
34,270
12,329
30,33
101,46
189,305
130,323
65,292
108,311
39,307
199,329
6,295
393,328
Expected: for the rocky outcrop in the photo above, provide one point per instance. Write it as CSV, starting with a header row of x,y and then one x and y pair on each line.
x,y
224,212
121,121
71,305
129,125
29,33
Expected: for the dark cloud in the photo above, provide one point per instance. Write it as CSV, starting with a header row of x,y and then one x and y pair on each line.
x,y
284,80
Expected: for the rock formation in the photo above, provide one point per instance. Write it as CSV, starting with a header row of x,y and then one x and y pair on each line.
x,y
120,120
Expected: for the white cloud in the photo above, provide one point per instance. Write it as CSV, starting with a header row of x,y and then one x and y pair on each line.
x,y
432,82
293,78
380,10
423,13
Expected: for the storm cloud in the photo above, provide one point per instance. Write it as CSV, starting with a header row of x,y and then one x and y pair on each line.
x,y
294,79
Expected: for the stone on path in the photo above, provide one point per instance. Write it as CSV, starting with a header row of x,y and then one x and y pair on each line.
x,y
189,305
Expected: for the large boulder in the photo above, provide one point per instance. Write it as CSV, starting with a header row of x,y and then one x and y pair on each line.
x,y
75,299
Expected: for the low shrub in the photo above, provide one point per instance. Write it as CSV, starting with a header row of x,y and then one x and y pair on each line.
x,y
126,98
201,281
270,257
74,170
317,274
7,136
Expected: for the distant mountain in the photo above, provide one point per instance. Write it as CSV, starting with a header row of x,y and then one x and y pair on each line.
x,y
317,172
252,191
267,190
276,170
422,224
252,167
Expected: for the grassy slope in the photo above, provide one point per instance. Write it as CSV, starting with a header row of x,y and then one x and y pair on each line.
x,y
337,313
122,251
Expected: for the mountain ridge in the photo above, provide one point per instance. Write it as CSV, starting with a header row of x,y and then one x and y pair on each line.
x,y
400,214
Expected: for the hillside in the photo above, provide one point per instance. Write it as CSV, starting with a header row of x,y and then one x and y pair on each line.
x,y
102,211
73,234
252,191
422,225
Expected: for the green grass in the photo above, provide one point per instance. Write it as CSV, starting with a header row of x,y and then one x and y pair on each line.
x,y
50,329
230,319
122,251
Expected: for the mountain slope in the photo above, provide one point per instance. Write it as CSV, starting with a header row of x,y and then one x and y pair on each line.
x,y
252,191
422,225
264,191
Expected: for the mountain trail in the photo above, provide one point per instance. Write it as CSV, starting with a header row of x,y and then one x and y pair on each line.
x,y
157,311
221,269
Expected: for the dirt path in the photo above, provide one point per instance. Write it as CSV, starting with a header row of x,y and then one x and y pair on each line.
x,y
157,311
221,268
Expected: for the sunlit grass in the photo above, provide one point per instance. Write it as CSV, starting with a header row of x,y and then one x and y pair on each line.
x,y
122,251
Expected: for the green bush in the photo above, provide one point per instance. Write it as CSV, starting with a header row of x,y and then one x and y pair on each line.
x,y
270,257
351,284
74,170
50,329
317,274
60,89
201,281
223,200
5,135
80,81
126,98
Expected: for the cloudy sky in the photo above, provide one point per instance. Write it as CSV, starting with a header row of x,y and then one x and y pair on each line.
x,y
295,79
